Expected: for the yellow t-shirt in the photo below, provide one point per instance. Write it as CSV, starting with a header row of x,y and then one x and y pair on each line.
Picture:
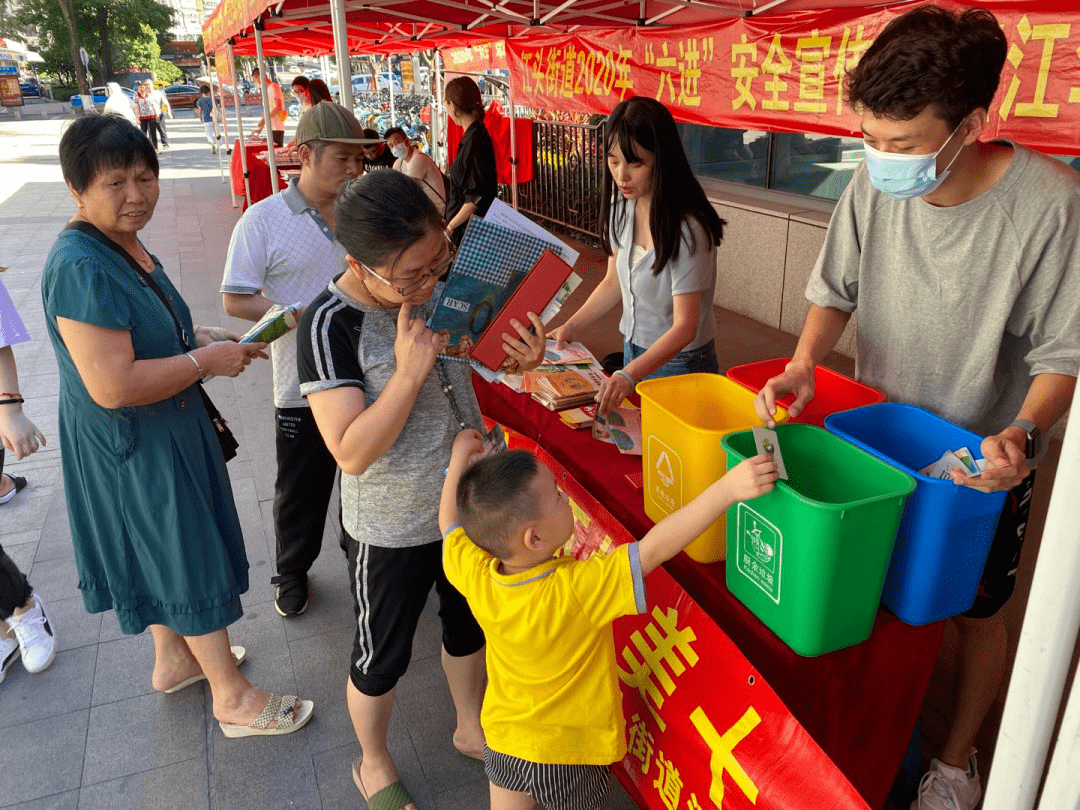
x,y
553,694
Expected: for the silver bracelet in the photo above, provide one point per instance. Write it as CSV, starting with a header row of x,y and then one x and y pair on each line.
x,y
190,356
629,376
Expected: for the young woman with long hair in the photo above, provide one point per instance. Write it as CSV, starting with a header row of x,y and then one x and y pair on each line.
x,y
660,234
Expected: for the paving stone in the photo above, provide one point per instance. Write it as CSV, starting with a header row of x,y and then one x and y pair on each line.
x,y
142,733
334,771
263,773
124,667
64,687
428,710
174,787
69,800
74,627
57,743
58,578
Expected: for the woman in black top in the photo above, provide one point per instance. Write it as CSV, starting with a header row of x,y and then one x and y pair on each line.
x,y
473,182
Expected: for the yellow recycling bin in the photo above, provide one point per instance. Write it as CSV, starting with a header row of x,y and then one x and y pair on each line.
x,y
683,420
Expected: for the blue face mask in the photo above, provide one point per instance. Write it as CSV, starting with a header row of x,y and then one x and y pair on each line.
x,y
906,176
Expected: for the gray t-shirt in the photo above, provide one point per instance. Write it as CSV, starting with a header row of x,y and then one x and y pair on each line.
x,y
648,308
960,306
395,502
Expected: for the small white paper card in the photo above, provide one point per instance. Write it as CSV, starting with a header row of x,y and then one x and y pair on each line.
x,y
768,443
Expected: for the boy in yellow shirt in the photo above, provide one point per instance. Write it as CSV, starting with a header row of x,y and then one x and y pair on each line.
x,y
552,713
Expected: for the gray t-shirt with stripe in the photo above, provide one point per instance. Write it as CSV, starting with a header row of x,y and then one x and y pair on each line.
x,y
395,502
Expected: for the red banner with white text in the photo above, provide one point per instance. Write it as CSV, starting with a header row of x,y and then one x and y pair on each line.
x,y
704,730
784,72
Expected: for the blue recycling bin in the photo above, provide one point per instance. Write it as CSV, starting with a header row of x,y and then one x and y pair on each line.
x,y
946,530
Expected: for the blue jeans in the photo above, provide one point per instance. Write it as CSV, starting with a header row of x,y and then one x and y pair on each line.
x,y
695,361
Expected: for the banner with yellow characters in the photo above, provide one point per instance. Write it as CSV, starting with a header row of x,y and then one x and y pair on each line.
x,y
704,730
784,72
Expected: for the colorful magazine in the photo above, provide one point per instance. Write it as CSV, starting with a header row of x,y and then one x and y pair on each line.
x,y
491,262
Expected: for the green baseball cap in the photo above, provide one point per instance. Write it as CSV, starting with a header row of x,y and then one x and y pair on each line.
x,y
327,121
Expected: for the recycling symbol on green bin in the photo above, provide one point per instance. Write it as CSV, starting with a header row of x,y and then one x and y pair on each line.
x,y
758,549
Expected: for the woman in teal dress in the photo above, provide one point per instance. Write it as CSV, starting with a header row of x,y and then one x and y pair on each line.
x,y
155,529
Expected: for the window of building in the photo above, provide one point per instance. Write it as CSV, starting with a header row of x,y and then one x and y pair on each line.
x,y
799,163
811,164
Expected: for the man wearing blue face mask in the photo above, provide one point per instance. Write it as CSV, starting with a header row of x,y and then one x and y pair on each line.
x,y
963,258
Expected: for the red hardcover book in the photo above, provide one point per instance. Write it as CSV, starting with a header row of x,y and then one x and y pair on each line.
x,y
532,295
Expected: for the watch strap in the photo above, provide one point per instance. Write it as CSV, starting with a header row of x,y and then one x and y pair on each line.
x,y
1034,434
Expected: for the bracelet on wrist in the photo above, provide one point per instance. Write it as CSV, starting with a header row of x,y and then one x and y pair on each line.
x,y
630,377
190,356
15,399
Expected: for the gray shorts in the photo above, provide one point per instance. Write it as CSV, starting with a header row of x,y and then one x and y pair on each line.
x,y
556,787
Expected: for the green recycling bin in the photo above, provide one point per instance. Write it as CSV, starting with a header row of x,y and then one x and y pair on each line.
x,y
809,558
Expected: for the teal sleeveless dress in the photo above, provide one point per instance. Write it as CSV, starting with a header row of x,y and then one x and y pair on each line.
x,y
155,529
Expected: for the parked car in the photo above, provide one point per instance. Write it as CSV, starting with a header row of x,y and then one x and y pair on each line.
x,y
30,88
101,95
181,96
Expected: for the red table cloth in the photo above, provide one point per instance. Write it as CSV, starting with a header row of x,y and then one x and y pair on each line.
x,y
258,172
859,704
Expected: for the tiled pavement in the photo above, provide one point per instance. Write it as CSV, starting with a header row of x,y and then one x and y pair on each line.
x,y
90,732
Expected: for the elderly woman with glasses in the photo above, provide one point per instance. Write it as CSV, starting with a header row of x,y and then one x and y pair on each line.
x,y
389,409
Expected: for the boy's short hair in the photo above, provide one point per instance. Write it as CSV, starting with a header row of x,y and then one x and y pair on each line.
x,y
394,131
494,498
930,56
204,89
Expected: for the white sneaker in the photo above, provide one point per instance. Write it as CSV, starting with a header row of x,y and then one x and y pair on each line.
x,y
944,787
35,635
9,654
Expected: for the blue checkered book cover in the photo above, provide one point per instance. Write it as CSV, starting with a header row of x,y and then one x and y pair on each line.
x,y
491,262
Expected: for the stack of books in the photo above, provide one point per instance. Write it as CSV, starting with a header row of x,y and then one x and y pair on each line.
x,y
564,389
578,418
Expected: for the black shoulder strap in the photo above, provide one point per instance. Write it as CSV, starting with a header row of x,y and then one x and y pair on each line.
x,y
95,233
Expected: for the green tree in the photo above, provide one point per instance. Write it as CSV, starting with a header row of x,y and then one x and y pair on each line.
x,y
108,29
144,55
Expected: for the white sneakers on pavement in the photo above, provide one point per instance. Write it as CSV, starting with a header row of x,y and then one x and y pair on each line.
x,y
35,635
9,654
944,787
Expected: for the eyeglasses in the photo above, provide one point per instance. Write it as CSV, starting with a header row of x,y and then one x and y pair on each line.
x,y
423,279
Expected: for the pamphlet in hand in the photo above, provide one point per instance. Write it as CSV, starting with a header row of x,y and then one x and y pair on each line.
x,y
621,427
278,320
544,282
572,354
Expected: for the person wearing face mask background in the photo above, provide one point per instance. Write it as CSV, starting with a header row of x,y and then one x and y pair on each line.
x,y
415,164
376,154
960,255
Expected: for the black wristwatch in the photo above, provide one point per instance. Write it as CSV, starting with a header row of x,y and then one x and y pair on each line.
x,y
1034,436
